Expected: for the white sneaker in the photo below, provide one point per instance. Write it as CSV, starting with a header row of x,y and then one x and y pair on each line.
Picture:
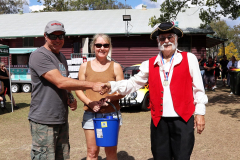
x,y
214,87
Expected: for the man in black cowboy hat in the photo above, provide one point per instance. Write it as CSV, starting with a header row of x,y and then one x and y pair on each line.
x,y
176,95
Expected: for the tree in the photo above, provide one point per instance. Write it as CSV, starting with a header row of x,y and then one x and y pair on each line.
x,y
120,5
222,30
75,5
235,36
100,4
55,5
210,10
61,5
230,51
79,5
11,6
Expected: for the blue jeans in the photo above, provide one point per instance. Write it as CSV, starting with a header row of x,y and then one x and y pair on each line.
x,y
87,122
202,73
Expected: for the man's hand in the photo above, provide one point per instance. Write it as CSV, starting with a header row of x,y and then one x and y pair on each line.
x,y
106,87
102,88
97,87
73,105
199,123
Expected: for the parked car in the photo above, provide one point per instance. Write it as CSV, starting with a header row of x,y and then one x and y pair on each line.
x,y
138,98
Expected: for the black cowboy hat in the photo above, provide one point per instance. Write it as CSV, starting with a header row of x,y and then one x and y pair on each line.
x,y
166,27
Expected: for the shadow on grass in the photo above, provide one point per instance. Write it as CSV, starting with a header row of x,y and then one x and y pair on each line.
x,y
234,113
8,107
224,99
122,155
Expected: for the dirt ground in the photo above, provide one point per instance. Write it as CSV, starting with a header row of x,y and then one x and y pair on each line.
x,y
219,141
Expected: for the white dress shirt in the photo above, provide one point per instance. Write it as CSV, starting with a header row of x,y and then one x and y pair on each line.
x,y
235,65
138,80
238,64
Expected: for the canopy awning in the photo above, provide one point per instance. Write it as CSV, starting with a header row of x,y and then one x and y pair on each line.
x,y
212,41
21,50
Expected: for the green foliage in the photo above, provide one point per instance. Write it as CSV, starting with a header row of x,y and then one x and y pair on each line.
x,y
11,6
75,5
79,5
221,29
209,10
55,5
234,36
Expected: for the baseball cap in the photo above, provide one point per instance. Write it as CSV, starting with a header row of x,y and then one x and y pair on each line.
x,y
53,26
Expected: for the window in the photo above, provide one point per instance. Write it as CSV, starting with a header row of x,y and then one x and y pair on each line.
x,y
28,42
20,59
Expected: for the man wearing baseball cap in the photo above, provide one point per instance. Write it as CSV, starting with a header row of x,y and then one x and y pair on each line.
x,y
48,115
176,94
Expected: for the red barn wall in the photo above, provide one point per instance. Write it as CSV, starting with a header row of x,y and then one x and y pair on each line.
x,y
198,45
126,50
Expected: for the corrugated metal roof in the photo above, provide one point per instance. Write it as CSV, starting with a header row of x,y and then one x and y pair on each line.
x,y
91,22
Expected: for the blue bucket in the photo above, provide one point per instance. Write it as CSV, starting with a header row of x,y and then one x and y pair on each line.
x,y
106,130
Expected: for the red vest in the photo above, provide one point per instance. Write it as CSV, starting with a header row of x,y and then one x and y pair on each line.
x,y
180,88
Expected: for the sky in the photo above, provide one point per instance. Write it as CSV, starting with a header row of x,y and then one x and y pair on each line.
x,y
136,4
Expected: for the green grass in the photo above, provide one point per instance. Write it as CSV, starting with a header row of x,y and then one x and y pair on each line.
x,y
15,143
14,127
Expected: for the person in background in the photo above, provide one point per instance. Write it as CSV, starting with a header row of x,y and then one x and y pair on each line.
x,y
201,62
217,71
176,94
224,69
51,96
231,65
4,76
209,78
238,65
99,70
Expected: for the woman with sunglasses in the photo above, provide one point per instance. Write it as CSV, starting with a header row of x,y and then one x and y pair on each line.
x,y
99,70
4,77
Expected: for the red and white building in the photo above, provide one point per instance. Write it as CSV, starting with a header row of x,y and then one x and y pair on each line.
x,y
131,40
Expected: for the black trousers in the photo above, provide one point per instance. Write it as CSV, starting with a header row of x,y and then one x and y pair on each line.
x,y
173,138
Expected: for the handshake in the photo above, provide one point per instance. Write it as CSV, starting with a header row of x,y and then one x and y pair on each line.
x,y
102,88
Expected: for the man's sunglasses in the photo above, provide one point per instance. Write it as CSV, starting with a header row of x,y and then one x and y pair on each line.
x,y
54,37
98,45
170,38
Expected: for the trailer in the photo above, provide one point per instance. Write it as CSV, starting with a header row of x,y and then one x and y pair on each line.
x,y
20,72
19,69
